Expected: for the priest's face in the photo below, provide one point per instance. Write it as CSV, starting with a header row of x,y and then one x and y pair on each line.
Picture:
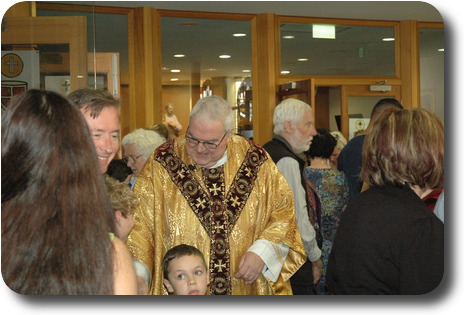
x,y
206,141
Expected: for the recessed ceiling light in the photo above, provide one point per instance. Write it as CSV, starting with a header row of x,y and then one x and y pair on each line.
x,y
302,59
246,71
441,49
175,70
179,55
388,39
239,35
174,79
288,37
224,56
285,72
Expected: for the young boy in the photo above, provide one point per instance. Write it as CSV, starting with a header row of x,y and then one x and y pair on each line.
x,y
185,271
124,202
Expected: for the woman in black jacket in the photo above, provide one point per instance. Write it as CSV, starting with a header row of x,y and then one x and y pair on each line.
x,y
388,241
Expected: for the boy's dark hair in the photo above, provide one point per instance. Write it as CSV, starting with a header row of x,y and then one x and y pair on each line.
x,y
179,251
322,145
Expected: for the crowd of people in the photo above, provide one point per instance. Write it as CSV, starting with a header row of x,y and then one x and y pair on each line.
x,y
210,212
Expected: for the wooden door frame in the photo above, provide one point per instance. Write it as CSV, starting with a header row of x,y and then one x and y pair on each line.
x,y
359,91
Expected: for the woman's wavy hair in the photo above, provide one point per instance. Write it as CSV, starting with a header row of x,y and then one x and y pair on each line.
x,y
56,214
405,147
122,198
145,141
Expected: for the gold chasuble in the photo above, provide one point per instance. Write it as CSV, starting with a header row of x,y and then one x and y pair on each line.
x,y
221,211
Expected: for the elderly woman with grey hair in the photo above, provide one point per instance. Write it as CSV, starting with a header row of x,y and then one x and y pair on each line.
x,y
138,146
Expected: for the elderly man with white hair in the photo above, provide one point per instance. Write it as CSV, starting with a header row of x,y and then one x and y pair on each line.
x,y
294,130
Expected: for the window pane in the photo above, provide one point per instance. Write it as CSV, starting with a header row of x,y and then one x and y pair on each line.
x,y
106,33
356,50
195,63
432,66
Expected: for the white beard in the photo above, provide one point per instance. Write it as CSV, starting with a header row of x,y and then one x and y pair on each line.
x,y
300,144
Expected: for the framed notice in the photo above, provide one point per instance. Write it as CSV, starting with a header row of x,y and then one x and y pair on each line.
x,y
20,72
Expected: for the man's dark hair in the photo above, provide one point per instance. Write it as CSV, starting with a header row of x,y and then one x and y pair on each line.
x,y
383,104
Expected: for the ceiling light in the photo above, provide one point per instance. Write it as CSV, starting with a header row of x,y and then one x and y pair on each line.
x,y
388,39
239,35
174,79
325,31
246,71
302,59
441,49
224,56
288,37
175,70
285,72
179,55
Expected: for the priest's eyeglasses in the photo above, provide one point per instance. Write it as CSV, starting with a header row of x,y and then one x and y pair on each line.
x,y
193,142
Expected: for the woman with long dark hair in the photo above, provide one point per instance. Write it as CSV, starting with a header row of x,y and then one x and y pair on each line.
x,y
57,221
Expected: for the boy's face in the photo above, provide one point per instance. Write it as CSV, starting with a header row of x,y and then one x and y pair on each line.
x,y
187,275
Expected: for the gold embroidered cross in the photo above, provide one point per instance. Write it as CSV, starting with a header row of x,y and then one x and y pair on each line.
x,y
235,201
217,227
248,172
220,265
200,203
215,189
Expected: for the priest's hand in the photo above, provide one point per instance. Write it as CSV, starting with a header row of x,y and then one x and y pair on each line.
x,y
250,267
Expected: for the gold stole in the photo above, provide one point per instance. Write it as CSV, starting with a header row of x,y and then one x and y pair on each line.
x,y
216,211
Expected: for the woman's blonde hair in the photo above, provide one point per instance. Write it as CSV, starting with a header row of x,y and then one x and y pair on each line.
x,y
405,147
341,141
121,196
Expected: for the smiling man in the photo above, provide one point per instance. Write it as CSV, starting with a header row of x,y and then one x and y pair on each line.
x,y
224,195
101,111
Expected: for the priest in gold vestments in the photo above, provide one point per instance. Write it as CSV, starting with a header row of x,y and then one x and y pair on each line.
x,y
222,194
